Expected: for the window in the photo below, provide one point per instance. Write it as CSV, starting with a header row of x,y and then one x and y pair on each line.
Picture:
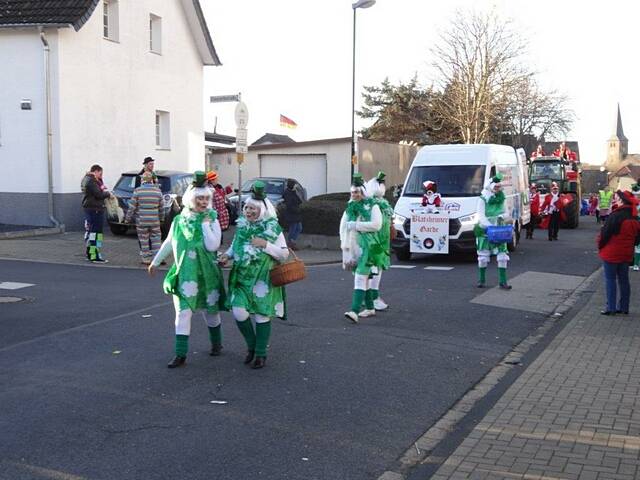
x,y
452,180
110,28
163,133
155,34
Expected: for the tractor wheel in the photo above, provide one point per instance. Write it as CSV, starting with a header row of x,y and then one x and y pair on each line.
x,y
572,213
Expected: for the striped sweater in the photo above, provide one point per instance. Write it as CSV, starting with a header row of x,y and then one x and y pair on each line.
x,y
146,204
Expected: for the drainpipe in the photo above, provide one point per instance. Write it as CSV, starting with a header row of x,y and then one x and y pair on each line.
x,y
47,99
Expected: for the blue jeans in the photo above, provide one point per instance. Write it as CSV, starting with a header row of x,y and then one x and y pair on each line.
x,y
295,229
614,274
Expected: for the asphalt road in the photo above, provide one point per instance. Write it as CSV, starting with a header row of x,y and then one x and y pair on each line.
x,y
85,392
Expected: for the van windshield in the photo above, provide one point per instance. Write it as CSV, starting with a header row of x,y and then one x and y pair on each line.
x,y
452,180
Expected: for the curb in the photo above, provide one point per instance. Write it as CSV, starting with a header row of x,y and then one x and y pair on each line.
x,y
34,232
421,450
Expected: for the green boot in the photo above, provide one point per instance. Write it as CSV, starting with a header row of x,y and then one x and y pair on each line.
x,y
182,347
246,328
502,278
215,336
482,277
356,300
263,333
368,299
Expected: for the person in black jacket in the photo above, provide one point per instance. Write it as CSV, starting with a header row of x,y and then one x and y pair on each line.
x,y
292,214
95,194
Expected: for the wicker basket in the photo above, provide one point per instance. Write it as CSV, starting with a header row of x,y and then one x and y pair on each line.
x,y
285,273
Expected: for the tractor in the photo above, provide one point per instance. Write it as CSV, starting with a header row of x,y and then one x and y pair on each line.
x,y
546,169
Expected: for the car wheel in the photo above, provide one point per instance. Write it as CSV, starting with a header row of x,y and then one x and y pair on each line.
x,y
118,229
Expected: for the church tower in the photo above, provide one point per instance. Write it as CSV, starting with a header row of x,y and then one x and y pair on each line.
x,y
617,146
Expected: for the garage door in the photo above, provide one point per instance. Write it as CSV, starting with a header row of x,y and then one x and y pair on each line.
x,y
309,170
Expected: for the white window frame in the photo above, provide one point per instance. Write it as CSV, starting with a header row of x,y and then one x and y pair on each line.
x,y
163,130
155,34
110,20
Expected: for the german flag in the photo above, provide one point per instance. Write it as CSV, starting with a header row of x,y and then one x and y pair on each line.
x,y
286,122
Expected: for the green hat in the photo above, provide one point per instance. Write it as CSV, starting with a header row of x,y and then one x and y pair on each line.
x,y
635,188
497,178
199,179
381,176
257,190
357,180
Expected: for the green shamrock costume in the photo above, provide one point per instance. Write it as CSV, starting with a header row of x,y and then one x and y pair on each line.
x,y
491,208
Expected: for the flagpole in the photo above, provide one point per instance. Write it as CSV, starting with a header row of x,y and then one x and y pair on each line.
x,y
353,98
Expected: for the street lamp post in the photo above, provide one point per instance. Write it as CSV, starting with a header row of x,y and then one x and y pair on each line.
x,y
355,6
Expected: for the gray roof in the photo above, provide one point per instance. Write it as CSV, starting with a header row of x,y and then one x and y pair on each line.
x,y
58,13
219,138
273,138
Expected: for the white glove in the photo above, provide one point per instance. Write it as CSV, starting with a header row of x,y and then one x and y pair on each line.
x,y
351,226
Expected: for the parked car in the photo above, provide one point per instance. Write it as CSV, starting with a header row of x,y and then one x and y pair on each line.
x,y
274,188
173,184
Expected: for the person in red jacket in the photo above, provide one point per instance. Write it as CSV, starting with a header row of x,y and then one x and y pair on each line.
x,y
616,242
552,206
534,205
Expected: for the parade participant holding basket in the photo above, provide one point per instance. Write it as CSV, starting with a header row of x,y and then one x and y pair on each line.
x,y
257,245
492,235
195,279
375,189
362,247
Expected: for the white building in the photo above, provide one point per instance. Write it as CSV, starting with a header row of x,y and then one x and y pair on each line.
x,y
125,82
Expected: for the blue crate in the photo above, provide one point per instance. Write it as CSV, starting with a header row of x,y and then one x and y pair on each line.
x,y
500,233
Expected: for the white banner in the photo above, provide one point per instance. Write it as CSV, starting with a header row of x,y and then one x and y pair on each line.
x,y
429,232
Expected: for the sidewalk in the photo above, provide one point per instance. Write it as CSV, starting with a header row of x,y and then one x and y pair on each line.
x,y
121,251
575,411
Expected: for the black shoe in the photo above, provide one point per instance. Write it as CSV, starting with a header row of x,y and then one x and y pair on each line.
x,y
550,238
249,357
177,362
99,260
505,286
555,238
622,312
259,362
607,312
481,285
216,350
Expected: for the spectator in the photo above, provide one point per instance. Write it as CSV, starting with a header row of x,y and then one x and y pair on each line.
x,y
146,206
95,194
534,203
604,204
218,199
148,164
616,244
292,214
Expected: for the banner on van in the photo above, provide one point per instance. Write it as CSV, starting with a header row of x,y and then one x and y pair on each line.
x,y
429,232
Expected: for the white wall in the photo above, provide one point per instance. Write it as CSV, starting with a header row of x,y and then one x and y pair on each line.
x,y
23,147
337,152
110,91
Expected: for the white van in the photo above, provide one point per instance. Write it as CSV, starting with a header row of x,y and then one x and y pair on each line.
x,y
461,171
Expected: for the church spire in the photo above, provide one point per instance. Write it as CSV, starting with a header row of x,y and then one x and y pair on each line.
x,y
618,132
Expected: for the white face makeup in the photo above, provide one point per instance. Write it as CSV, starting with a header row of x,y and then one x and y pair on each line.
x,y
497,187
251,212
356,194
202,203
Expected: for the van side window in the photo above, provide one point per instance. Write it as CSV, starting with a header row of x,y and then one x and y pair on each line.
x,y
492,172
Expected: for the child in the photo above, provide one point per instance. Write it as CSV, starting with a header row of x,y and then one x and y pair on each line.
x,y
195,279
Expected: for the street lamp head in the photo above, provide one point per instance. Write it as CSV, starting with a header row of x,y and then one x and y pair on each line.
x,y
363,4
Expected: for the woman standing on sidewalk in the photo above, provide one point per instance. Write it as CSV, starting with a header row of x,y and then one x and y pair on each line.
x,y
257,245
616,242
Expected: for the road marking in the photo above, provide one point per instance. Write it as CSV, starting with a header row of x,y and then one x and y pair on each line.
x,y
439,268
406,267
15,285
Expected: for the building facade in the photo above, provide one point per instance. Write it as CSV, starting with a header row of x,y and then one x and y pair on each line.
x,y
126,82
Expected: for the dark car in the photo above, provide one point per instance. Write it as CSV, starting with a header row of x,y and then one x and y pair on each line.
x,y
173,184
274,188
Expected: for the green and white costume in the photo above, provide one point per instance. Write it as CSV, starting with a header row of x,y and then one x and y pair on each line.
x,y
194,280
491,210
250,288
363,250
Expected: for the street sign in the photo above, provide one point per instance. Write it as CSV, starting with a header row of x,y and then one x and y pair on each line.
x,y
241,136
429,232
240,158
242,115
242,149
224,98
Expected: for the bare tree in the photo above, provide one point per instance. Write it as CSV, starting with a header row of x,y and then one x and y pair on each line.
x,y
478,60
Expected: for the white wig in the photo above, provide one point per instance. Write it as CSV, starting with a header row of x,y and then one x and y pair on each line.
x,y
189,197
267,210
374,188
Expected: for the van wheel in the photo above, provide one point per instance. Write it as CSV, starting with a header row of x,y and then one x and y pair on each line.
x,y
118,229
403,254
515,238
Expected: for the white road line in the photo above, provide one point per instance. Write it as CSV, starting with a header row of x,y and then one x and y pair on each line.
x,y
439,268
406,267
15,285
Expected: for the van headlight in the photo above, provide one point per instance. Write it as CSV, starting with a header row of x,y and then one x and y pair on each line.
x,y
398,221
469,219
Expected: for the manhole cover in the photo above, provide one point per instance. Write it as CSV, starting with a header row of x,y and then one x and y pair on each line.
x,y
10,299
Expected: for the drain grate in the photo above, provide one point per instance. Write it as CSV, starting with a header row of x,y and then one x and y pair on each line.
x,y
11,299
